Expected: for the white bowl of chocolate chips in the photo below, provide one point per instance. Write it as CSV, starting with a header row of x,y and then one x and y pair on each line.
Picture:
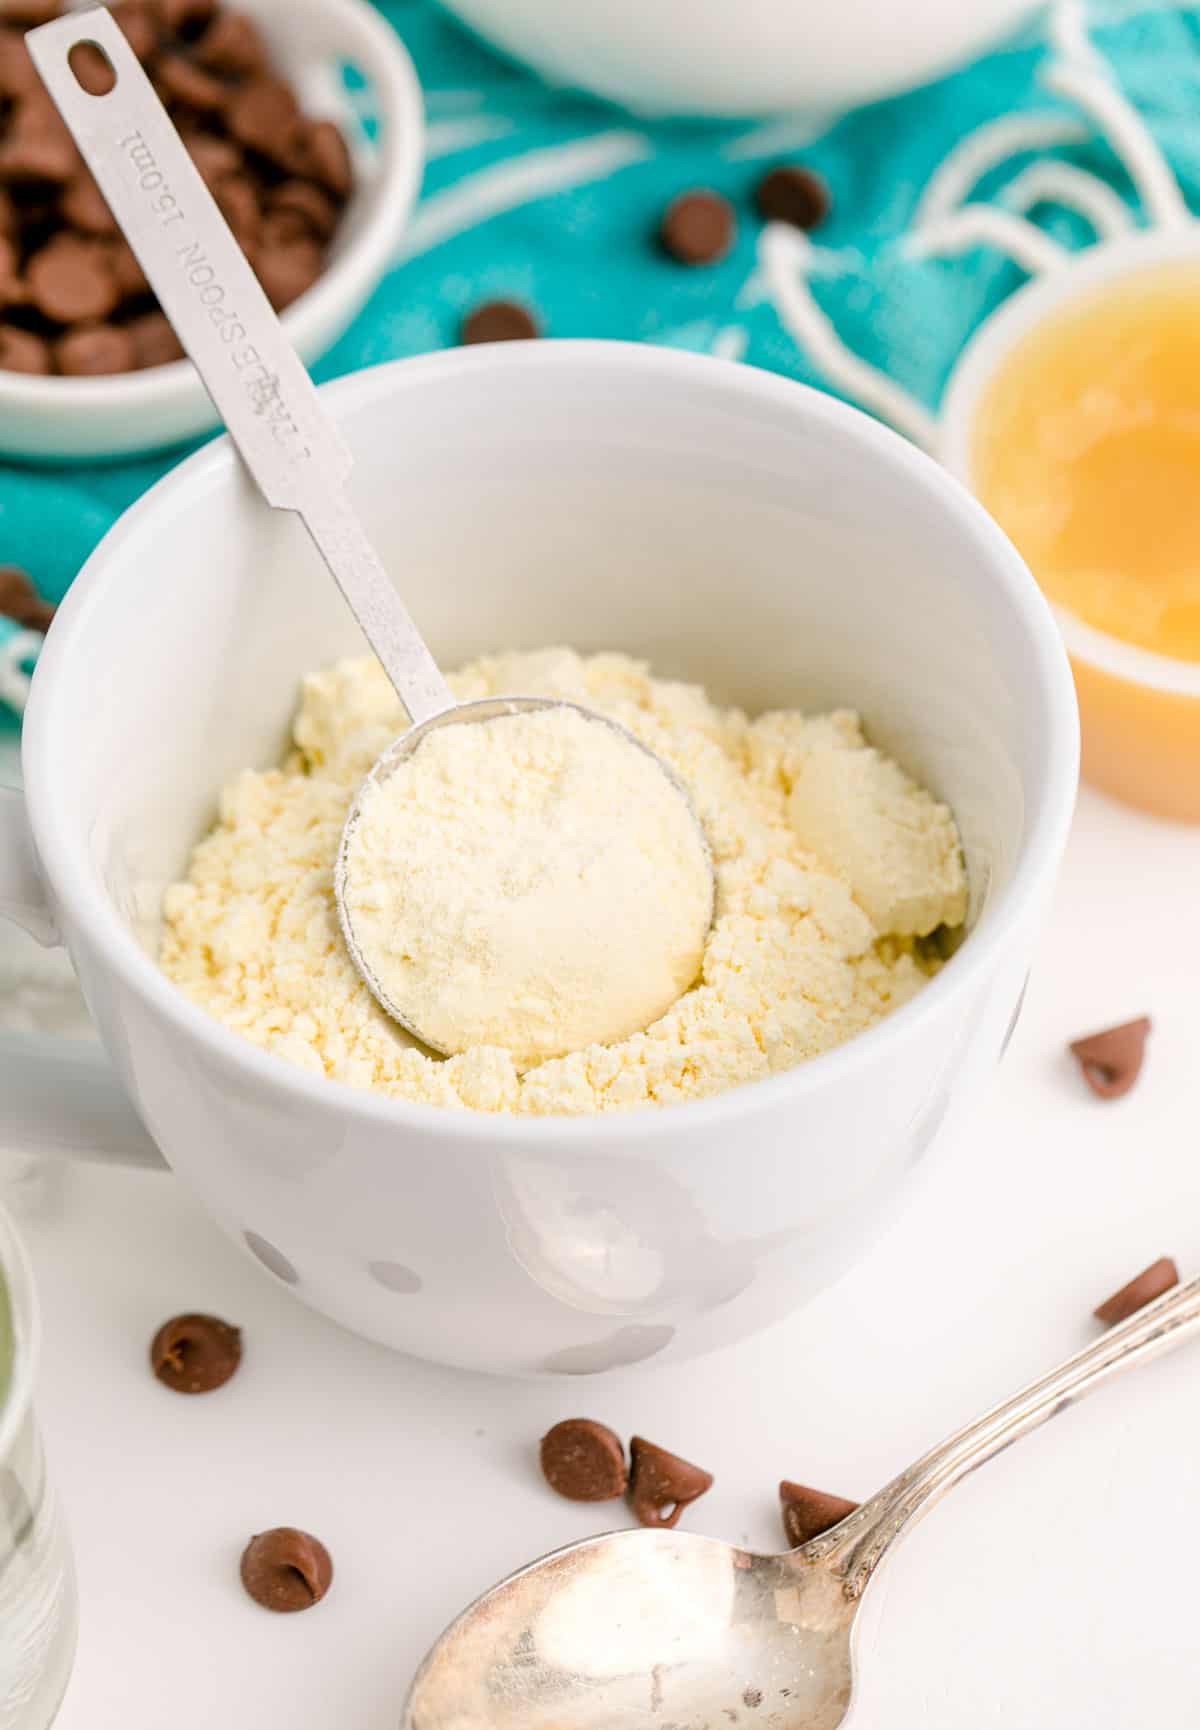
x,y
88,365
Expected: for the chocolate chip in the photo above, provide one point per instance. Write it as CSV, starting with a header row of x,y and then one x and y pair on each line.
x,y
19,600
18,74
498,321
263,116
140,22
315,209
584,1461
84,207
286,1570
233,46
807,1513
238,202
1151,1283
325,156
127,272
154,340
698,227
72,279
792,194
193,1354
661,1485
177,79
1111,1061
216,158
92,350
287,272
22,351
11,287
37,146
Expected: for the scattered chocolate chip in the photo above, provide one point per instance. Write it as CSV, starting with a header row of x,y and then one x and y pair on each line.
x,y
154,340
263,115
698,227
193,1354
792,194
807,1513
1111,1061
661,1485
287,272
286,1570
584,1461
232,46
1151,1283
316,210
325,156
84,207
178,79
72,279
498,321
22,351
19,600
91,350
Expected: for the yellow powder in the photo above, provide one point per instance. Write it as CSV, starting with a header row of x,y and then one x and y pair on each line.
x,y
807,948
535,882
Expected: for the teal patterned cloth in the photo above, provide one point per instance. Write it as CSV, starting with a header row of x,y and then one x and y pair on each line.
x,y
545,196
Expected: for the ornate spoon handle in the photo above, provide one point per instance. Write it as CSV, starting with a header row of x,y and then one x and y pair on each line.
x,y
861,1540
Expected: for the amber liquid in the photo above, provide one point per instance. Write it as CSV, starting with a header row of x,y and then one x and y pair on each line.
x,y
1087,452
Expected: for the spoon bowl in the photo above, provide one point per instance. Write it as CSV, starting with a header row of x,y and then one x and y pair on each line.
x,y
646,1627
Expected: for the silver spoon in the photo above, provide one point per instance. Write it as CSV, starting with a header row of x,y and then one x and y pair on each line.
x,y
267,400
661,1628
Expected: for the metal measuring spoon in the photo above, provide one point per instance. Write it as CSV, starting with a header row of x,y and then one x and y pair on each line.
x,y
660,1627
265,396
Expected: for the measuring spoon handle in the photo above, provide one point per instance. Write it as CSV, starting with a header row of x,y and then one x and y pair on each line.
x,y
224,320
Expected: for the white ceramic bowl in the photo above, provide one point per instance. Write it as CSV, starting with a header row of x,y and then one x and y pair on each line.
x,y
736,529
716,57
70,418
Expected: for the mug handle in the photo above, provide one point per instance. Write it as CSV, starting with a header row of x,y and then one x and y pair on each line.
x,y
57,1096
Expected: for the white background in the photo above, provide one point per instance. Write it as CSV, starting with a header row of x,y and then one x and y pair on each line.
x,y
1056,1588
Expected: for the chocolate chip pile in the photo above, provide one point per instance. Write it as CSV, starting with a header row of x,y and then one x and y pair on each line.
x,y
73,298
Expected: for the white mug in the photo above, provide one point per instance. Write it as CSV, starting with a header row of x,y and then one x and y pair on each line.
x,y
735,529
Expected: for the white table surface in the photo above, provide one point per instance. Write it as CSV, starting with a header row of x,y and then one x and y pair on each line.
x,y
1055,1589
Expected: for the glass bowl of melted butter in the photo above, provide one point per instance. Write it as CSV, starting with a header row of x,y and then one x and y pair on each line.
x,y
1074,416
